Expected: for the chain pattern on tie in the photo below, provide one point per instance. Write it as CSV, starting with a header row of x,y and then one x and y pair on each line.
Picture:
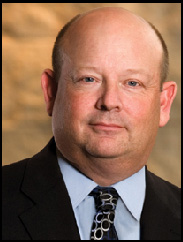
x,y
105,204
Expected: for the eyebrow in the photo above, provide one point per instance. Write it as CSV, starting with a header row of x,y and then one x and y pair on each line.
x,y
138,71
77,70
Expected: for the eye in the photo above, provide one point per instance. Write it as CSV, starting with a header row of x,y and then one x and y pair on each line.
x,y
133,83
88,79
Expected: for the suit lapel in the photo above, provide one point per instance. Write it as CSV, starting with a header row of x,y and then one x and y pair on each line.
x,y
157,220
51,215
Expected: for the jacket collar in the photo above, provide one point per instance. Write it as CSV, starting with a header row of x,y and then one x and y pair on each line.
x,y
51,215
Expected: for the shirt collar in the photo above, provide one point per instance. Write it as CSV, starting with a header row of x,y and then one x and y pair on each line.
x,y
77,184
130,190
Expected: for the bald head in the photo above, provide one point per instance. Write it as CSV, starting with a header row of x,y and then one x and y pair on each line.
x,y
108,16
108,24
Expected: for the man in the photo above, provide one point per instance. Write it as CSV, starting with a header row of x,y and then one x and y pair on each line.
x,y
107,96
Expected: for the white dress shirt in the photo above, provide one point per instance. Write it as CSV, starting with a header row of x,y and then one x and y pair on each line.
x,y
129,206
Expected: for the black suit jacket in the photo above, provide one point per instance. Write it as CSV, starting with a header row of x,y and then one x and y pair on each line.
x,y
36,204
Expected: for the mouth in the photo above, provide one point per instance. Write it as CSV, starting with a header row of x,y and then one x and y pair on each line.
x,y
106,126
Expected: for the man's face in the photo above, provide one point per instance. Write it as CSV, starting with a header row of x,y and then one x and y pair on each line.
x,y
108,97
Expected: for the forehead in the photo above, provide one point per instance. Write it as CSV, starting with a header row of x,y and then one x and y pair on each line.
x,y
103,37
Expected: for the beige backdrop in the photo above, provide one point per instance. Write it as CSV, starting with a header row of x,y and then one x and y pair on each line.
x,y
29,31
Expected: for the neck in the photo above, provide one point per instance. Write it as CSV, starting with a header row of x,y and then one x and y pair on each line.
x,y
108,172
105,171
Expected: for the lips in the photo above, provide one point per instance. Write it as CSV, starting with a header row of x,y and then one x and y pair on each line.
x,y
106,126
110,125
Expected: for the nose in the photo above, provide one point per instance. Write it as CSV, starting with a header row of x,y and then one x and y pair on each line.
x,y
110,99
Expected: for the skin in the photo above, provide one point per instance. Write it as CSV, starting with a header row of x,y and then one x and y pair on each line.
x,y
108,106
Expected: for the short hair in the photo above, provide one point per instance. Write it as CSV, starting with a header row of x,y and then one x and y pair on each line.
x,y
57,54
165,57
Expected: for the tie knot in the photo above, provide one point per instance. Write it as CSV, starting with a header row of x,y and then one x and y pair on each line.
x,y
105,198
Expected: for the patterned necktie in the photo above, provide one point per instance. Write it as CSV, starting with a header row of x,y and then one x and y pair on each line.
x,y
105,204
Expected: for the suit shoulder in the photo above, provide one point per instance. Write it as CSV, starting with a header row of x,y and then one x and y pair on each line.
x,y
166,191
165,184
13,173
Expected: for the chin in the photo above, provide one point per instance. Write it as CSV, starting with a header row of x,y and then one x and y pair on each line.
x,y
103,152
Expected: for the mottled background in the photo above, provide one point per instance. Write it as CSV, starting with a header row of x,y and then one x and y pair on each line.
x,y
28,35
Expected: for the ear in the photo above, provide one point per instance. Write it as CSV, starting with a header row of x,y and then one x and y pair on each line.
x,y
49,87
168,94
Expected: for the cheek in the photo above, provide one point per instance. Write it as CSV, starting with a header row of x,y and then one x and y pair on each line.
x,y
135,107
80,104
143,111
